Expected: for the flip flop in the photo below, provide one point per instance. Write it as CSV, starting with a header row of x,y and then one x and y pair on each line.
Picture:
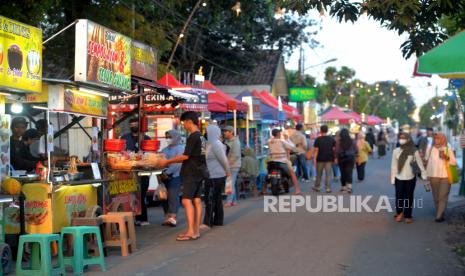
x,y
187,238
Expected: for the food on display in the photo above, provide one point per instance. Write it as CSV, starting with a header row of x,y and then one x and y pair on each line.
x,y
11,186
33,62
15,57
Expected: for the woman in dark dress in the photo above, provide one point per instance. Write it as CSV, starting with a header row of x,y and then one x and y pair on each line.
x,y
381,143
346,150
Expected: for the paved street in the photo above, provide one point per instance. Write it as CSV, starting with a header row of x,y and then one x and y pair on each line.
x,y
256,243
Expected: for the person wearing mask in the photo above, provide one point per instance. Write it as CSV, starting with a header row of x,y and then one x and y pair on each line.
x,y
403,176
193,173
171,177
300,142
132,144
234,160
279,152
370,138
323,156
346,151
364,150
218,169
381,144
19,151
437,157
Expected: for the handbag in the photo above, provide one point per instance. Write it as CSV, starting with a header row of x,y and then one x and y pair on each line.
x,y
452,171
414,165
229,188
162,193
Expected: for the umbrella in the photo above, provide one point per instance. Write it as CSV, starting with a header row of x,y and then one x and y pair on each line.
x,y
446,59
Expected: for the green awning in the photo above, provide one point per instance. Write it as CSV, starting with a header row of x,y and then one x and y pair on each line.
x,y
446,59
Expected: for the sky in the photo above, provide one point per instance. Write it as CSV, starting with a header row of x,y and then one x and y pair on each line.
x,y
368,48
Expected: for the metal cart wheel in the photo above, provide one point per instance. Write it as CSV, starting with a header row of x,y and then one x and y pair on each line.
x,y
6,257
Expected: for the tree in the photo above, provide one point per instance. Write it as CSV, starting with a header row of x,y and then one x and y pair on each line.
x,y
428,110
418,18
293,79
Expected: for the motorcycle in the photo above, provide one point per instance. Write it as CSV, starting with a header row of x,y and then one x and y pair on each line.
x,y
277,178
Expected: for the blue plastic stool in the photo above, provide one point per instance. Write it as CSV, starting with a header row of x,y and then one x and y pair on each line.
x,y
40,246
81,257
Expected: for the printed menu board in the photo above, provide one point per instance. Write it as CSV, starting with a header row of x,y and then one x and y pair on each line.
x,y
20,56
102,56
143,61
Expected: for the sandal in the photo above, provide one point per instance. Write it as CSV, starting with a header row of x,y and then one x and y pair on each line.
x,y
187,238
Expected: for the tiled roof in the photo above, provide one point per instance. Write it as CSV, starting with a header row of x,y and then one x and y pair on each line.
x,y
263,72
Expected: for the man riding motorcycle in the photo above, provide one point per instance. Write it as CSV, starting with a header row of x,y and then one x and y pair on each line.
x,y
279,154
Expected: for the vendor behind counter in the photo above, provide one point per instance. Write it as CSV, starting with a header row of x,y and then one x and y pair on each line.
x,y
20,155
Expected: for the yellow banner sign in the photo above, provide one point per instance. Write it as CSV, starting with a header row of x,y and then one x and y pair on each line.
x,y
41,97
38,208
77,101
20,56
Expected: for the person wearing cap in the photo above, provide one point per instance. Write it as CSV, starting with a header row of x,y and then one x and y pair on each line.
x,y
132,144
234,160
279,153
19,153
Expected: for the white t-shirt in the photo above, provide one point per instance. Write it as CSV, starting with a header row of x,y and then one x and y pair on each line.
x,y
278,150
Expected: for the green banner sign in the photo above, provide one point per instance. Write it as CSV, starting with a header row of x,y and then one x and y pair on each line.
x,y
302,94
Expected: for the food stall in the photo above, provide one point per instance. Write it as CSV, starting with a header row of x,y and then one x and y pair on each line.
x,y
20,73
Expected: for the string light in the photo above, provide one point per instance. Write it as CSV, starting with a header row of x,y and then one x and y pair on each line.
x,y
237,8
279,14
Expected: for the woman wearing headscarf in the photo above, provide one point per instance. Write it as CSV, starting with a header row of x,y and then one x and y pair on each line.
x,y
364,150
438,156
403,176
381,144
249,169
218,168
171,177
346,151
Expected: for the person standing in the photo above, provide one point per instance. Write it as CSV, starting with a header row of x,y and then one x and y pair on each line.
x,y
132,144
323,152
193,173
381,144
309,156
171,177
249,169
234,160
19,153
430,136
300,142
370,138
391,138
403,176
438,156
364,150
346,151
218,168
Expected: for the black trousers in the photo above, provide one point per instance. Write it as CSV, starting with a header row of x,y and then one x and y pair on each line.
x,y
214,201
404,196
347,167
361,171
144,186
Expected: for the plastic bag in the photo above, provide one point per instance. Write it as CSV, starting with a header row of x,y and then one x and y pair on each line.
x,y
161,192
229,187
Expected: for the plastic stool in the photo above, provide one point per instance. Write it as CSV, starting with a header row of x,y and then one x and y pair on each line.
x,y
81,257
127,233
91,221
41,255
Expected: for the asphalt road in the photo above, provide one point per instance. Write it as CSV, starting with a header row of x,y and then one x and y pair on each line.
x,y
253,242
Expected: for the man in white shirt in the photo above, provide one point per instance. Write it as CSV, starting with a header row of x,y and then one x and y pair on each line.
x,y
279,153
300,142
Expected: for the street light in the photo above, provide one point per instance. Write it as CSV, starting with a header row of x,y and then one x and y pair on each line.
x,y
325,62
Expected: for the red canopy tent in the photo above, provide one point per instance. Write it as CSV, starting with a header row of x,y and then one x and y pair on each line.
x,y
334,113
357,117
222,102
291,113
171,82
374,120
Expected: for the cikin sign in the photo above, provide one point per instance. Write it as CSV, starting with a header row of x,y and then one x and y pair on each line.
x,y
102,56
20,56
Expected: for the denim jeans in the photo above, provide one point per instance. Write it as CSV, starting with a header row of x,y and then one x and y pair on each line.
x,y
336,171
171,206
310,169
302,166
232,198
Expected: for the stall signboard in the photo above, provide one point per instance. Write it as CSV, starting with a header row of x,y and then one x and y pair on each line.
x,y
20,56
70,202
102,56
122,193
38,208
4,145
254,113
77,101
41,97
143,61
302,94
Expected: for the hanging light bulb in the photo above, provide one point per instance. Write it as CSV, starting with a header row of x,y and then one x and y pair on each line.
x,y
17,107
237,8
279,14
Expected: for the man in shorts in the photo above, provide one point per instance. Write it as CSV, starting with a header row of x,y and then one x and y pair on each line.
x,y
193,172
